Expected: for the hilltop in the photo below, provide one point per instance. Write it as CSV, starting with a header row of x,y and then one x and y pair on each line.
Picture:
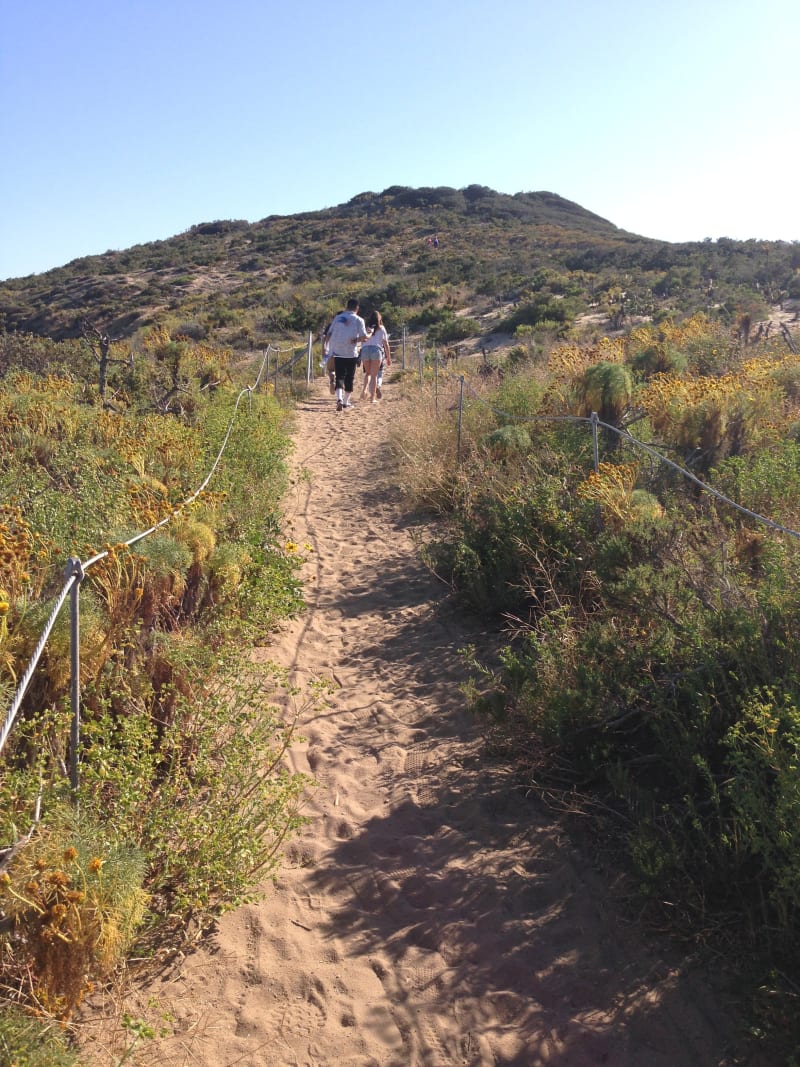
x,y
543,256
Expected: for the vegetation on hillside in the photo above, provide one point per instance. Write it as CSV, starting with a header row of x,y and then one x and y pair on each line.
x,y
512,260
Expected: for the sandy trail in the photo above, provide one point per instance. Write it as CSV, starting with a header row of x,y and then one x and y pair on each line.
x,y
427,915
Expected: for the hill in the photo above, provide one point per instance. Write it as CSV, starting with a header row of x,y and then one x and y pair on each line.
x,y
243,283
654,662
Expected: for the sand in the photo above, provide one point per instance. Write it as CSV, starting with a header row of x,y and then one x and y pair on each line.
x,y
428,914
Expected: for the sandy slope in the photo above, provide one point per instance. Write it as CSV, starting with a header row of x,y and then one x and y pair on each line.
x,y
426,915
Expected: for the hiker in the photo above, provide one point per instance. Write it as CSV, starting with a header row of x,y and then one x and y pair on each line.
x,y
379,379
374,353
343,336
328,363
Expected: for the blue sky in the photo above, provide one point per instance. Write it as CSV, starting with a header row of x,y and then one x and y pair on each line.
x,y
129,121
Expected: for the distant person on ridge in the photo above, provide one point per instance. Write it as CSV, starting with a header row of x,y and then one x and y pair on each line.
x,y
374,352
343,336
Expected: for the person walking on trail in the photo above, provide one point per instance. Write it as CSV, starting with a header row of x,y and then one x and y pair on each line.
x,y
328,362
345,333
374,352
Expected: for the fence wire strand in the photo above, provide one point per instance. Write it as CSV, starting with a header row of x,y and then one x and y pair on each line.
x,y
444,376
629,439
22,687
26,678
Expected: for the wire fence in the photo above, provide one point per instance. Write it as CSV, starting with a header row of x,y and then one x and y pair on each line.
x,y
593,422
272,366
299,359
76,571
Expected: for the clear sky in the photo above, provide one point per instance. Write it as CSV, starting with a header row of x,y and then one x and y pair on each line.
x,y
129,121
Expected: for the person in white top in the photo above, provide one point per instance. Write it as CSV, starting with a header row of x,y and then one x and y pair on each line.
x,y
374,352
343,336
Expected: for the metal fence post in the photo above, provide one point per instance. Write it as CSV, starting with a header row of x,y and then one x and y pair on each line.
x,y
436,381
75,569
460,415
598,514
403,361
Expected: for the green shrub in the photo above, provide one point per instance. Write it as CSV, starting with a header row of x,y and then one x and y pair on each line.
x,y
452,329
542,308
517,357
519,395
763,791
508,441
659,359
766,481
29,1042
185,789
606,388
491,555
74,896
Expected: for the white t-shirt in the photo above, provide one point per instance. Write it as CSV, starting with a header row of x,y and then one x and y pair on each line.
x,y
341,332
379,338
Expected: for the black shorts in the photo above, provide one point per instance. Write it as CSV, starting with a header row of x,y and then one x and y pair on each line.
x,y
345,372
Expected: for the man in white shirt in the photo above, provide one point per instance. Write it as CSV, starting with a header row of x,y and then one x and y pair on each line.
x,y
343,336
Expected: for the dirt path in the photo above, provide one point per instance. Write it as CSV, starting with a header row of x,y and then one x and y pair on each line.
x,y
427,916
